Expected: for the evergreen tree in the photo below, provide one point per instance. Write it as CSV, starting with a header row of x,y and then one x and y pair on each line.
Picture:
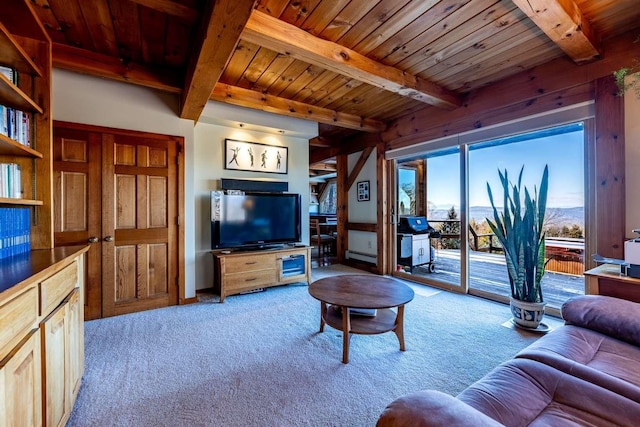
x,y
451,227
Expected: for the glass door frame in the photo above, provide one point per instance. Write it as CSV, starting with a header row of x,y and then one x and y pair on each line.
x,y
589,207
462,286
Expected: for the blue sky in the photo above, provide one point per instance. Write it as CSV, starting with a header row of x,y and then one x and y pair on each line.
x,y
564,153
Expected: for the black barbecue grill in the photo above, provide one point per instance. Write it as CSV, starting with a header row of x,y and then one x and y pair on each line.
x,y
414,242
415,225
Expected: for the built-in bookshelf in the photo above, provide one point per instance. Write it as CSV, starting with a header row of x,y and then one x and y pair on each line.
x,y
25,120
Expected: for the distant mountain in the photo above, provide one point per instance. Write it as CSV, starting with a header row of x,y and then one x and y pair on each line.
x,y
556,216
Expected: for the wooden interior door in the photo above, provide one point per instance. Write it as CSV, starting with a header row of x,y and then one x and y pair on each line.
x,y
139,223
118,191
78,203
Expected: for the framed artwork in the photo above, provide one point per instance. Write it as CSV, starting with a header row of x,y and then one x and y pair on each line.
x,y
363,191
254,157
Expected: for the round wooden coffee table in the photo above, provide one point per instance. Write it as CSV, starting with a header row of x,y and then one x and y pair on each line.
x,y
341,294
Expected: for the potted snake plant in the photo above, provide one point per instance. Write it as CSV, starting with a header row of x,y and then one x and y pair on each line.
x,y
519,228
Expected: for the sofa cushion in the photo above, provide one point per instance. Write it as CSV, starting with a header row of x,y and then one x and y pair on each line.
x,y
432,408
592,356
523,392
615,317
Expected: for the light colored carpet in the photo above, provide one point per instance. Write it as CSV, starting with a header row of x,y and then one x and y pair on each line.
x,y
259,360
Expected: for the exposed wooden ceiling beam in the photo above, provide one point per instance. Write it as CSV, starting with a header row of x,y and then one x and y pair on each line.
x,y
320,174
319,141
551,85
323,166
169,7
351,144
274,104
277,35
221,25
96,64
563,22
321,154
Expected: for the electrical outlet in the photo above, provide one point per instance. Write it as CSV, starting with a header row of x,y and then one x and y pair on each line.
x,y
369,244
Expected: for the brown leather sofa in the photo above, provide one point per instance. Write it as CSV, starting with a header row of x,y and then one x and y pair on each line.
x,y
587,372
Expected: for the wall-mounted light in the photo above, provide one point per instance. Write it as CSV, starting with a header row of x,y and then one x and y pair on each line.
x,y
241,125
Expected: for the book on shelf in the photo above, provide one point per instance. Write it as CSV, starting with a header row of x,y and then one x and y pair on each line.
x,y
10,73
16,125
15,231
10,181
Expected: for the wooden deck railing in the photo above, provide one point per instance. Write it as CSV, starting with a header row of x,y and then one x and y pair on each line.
x,y
475,240
564,255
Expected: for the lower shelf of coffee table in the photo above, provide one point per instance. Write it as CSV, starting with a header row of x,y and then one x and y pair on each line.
x,y
383,321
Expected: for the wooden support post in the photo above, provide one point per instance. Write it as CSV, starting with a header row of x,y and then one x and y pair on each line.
x,y
342,210
609,151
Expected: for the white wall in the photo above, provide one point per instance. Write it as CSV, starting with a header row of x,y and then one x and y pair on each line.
x,y
365,211
632,161
209,169
89,100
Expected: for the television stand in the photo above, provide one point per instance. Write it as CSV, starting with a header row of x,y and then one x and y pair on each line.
x,y
242,271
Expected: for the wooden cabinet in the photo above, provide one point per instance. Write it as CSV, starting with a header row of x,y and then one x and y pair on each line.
x,y
55,349
244,271
63,359
26,48
606,279
42,336
76,344
20,384
17,316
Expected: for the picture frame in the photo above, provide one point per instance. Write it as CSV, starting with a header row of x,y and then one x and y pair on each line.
x,y
255,157
363,191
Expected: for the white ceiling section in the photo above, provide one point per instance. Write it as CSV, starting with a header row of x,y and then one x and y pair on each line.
x,y
233,116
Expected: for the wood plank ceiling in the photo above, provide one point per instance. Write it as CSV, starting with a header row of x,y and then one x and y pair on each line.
x,y
351,65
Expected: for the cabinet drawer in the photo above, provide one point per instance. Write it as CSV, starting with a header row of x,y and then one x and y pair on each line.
x,y
17,315
54,289
250,279
250,262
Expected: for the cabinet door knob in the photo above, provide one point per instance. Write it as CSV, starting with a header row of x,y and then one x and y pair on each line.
x,y
108,239
93,239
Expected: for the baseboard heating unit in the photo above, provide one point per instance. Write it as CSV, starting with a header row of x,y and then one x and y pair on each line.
x,y
361,256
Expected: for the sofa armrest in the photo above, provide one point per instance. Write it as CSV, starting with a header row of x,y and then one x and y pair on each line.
x,y
431,408
614,317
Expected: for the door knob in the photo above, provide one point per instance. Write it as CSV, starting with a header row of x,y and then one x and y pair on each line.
x,y
93,239
108,239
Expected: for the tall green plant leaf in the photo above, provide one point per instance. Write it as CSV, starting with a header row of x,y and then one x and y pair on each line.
x,y
542,200
519,228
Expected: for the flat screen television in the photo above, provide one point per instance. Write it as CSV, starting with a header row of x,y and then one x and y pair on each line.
x,y
254,220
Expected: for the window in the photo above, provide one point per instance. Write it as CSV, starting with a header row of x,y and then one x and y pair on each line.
x,y
407,183
329,198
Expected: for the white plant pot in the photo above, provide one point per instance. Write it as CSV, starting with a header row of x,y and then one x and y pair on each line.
x,y
527,314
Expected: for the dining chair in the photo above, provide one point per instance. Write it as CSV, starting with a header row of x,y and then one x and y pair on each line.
x,y
323,242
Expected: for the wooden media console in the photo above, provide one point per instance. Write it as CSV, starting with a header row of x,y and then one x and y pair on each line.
x,y
243,271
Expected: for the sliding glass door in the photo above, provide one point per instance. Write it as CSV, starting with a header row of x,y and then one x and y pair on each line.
x,y
562,149
429,187
449,187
